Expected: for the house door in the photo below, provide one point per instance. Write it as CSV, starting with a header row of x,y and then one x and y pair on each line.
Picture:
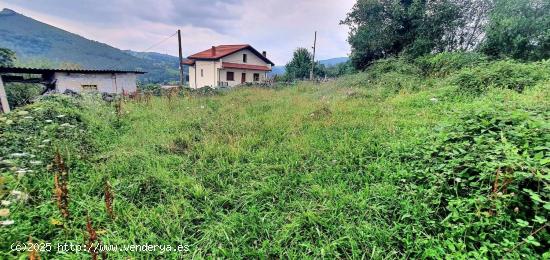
x,y
243,78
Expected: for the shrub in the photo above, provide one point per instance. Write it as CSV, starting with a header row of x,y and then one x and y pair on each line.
x,y
397,65
154,89
488,177
445,63
22,94
505,74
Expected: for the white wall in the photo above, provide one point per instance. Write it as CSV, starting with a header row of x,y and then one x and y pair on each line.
x,y
209,74
110,83
251,58
238,74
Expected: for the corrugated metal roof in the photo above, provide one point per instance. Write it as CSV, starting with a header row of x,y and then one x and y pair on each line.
x,y
42,70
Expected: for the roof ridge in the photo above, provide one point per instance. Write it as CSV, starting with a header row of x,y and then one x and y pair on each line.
x,y
220,51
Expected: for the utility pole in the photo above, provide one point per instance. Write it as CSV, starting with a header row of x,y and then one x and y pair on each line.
x,y
182,79
313,59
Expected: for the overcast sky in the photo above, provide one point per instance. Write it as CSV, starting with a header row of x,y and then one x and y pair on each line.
x,y
277,26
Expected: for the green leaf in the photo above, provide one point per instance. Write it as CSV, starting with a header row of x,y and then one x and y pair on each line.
x,y
522,223
540,220
531,240
534,196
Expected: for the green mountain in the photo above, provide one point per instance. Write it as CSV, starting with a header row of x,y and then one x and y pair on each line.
x,y
38,43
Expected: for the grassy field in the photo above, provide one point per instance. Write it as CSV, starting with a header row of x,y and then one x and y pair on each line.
x,y
307,170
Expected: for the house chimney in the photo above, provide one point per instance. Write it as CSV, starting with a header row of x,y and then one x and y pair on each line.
x,y
213,50
264,53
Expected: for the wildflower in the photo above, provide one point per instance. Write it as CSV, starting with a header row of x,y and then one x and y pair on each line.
x,y
19,195
19,155
65,125
60,116
4,212
6,162
7,222
5,203
9,122
434,99
48,121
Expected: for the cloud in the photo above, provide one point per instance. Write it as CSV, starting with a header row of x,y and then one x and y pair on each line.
x,y
277,26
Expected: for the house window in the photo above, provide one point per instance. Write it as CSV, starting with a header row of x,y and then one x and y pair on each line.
x,y
244,58
89,88
256,76
202,73
230,76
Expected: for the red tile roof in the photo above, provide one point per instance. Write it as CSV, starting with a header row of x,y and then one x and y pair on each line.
x,y
188,62
221,51
224,50
229,65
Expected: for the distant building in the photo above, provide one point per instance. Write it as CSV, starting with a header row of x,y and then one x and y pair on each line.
x,y
77,80
227,65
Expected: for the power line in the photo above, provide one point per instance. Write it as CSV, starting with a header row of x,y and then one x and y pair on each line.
x,y
158,43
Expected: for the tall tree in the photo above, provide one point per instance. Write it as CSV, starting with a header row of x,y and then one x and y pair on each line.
x,y
381,28
519,29
300,65
7,57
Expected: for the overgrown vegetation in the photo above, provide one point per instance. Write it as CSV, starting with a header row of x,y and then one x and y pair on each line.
x,y
406,160
20,94
499,28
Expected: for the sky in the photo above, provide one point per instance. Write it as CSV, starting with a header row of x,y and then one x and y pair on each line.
x,y
276,26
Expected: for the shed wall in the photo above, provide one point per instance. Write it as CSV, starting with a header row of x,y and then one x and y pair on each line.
x,y
109,83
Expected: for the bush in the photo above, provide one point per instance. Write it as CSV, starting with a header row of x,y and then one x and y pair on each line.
x,y
398,65
445,63
20,94
488,177
154,89
505,74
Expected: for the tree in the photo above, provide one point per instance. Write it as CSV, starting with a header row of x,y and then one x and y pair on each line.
x,y
382,28
339,69
7,57
519,29
300,65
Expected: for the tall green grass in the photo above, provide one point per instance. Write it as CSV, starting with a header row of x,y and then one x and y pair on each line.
x,y
313,170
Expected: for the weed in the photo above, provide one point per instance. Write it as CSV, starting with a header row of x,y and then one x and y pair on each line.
x,y
61,180
109,199
93,243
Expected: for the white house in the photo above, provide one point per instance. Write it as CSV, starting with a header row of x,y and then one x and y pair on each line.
x,y
227,65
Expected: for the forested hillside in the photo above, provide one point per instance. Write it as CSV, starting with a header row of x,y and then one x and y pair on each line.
x,y
40,44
